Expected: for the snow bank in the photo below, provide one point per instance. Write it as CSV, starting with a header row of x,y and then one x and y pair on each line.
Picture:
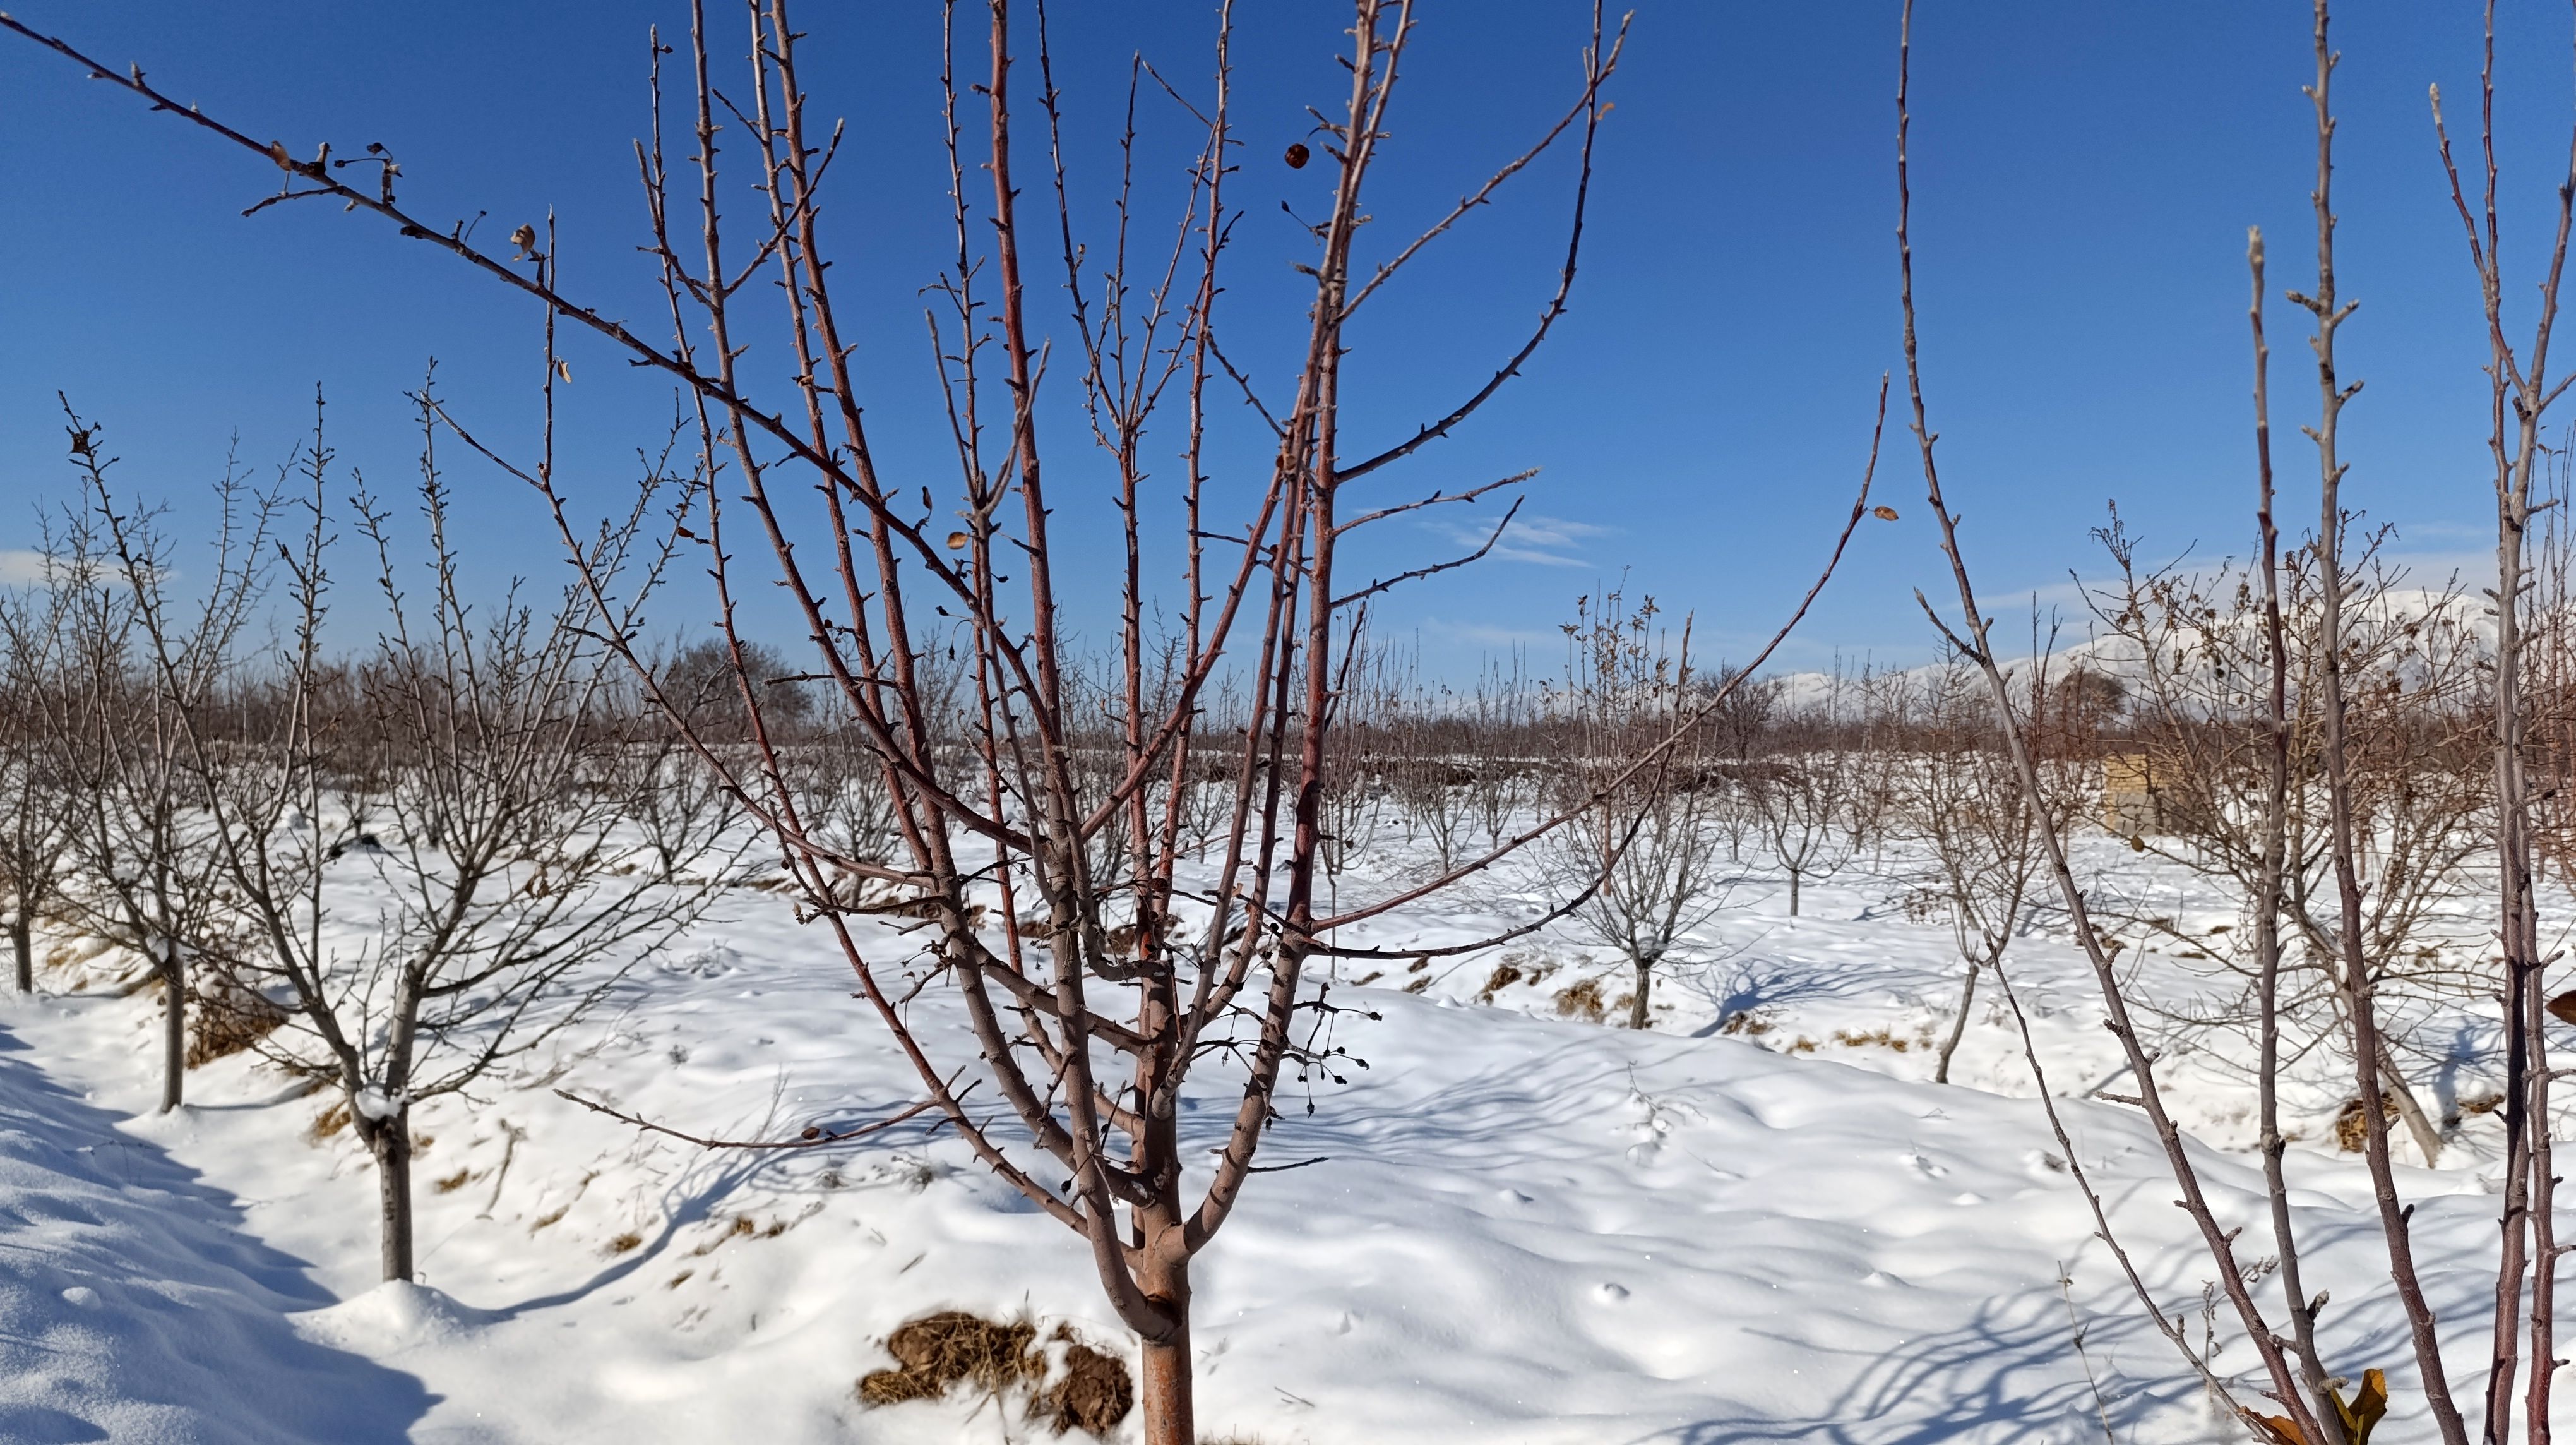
x,y
134,1309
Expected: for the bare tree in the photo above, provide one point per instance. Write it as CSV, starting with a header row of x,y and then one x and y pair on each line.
x,y
35,803
142,841
1214,970
2521,393
1353,790
1505,780
1642,854
1959,799
1971,638
1875,746
700,680
511,916
670,797
1803,798
1745,719
508,891
1433,774
2312,1395
2360,994
2200,643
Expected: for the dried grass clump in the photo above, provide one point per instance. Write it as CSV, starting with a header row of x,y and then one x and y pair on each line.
x,y
939,1350
328,1123
78,951
2351,1132
1884,1038
229,1018
1530,966
1745,1023
1581,1000
1095,1393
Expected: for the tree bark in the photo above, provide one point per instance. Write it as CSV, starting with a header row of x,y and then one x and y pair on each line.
x,y
391,1146
2410,1111
1637,1003
1793,894
174,1029
1958,1027
1164,1393
22,944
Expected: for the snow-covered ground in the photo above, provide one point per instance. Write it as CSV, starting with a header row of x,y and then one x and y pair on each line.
x,y
134,1305
1522,1227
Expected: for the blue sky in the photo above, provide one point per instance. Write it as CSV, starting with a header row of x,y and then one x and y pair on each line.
x,y
2084,176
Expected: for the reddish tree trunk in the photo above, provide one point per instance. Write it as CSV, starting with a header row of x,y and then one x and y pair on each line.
x,y
1163,1393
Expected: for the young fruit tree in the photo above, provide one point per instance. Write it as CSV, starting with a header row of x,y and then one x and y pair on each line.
x,y
432,853
1115,970
1803,799
2318,1403
941,627
2416,788
1644,852
1959,800
34,802
145,868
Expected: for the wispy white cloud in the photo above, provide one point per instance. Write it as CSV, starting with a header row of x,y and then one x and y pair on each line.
x,y
25,567
2070,597
2472,570
1548,541
1484,634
